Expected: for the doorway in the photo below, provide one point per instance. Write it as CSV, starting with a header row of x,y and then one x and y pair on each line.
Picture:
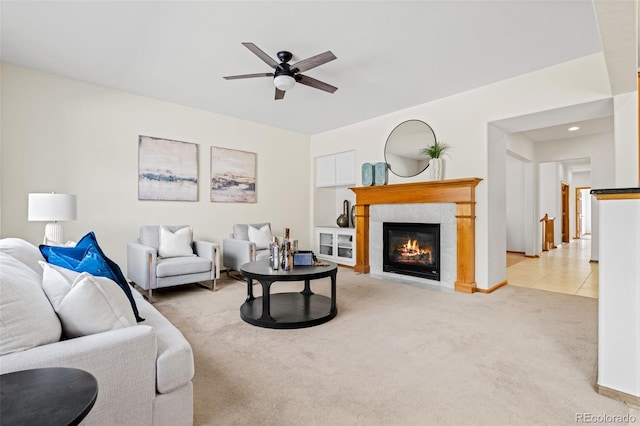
x,y
565,212
583,211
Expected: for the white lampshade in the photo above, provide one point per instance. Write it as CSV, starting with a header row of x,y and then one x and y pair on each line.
x,y
284,82
52,207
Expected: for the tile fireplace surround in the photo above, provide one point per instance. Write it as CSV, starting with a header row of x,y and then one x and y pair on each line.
x,y
443,214
461,192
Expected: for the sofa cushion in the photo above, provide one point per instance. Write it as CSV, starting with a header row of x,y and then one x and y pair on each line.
x,y
241,230
24,251
27,319
86,304
170,267
87,256
174,363
176,244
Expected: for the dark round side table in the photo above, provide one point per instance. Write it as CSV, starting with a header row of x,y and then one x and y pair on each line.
x,y
46,396
288,310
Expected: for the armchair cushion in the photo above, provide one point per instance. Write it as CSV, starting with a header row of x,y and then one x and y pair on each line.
x,y
175,244
87,256
169,267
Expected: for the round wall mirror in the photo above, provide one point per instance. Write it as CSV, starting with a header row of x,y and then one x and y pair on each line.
x,y
403,151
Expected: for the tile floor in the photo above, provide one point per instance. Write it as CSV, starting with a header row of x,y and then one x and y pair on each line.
x,y
565,269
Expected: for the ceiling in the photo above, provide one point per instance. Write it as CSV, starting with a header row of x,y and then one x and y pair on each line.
x,y
587,127
391,55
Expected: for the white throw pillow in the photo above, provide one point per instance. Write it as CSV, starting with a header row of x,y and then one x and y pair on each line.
x,y
23,251
27,319
262,236
84,303
175,244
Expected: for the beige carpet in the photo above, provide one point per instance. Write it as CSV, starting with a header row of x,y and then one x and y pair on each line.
x,y
394,355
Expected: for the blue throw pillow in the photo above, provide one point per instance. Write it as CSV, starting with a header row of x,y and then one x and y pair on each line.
x,y
87,256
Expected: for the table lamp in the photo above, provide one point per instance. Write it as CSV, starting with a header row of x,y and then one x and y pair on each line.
x,y
52,208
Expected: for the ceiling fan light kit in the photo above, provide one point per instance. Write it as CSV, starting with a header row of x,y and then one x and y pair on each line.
x,y
284,82
285,75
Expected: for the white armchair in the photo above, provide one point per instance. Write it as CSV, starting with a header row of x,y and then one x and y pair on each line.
x,y
238,249
149,271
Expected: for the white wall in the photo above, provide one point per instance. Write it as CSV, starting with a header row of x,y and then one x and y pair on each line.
x,y
461,121
599,148
515,205
497,202
67,136
522,148
625,125
619,292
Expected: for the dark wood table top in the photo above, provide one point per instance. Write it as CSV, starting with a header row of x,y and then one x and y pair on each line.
x,y
261,269
46,396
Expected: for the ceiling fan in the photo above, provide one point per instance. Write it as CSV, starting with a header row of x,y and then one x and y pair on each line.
x,y
285,75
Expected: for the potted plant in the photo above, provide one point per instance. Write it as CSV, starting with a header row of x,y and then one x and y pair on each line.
x,y
435,151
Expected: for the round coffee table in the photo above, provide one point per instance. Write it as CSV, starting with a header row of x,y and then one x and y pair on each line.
x,y
47,396
288,310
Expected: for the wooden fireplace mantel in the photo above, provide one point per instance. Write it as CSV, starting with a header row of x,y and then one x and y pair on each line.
x,y
458,191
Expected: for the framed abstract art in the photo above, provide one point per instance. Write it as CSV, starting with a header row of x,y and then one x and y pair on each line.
x,y
233,176
167,170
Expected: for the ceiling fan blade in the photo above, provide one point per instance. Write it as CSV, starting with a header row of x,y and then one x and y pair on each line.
x,y
279,94
260,54
314,61
235,77
317,84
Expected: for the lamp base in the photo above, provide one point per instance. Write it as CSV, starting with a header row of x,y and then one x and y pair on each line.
x,y
53,233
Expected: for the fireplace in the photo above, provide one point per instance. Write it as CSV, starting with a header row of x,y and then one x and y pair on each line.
x,y
412,249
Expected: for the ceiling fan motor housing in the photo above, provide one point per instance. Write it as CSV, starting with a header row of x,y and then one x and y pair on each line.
x,y
284,56
284,69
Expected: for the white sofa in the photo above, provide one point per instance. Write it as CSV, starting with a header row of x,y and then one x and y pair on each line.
x,y
144,371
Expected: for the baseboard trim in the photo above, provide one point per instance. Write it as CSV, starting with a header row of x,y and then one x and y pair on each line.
x,y
619,395
492,289
593,261
515,252
532,256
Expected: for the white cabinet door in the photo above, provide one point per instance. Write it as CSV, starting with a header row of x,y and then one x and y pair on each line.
x,y
326,171
336,170
336,245
346,168
325,243
345,247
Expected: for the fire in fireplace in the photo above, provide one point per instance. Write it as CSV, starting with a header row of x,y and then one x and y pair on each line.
x,y
412,249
